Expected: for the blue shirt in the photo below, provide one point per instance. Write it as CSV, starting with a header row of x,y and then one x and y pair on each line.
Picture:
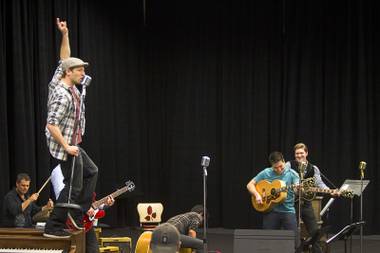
x,y
289,176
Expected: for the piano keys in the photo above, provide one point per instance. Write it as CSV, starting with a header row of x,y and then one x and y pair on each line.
x,y
33,239
31,251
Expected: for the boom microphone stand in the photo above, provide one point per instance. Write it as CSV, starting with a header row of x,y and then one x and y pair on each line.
x,y
205,162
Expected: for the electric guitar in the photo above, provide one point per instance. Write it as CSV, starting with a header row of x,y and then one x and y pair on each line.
x,y
273,193
99,213
309,193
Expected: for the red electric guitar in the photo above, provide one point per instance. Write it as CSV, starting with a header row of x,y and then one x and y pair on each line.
x,y
99,213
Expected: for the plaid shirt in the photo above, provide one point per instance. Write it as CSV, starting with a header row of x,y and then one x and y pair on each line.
x,y
61,113
185,222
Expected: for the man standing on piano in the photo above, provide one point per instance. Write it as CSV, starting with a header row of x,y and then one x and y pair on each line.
x,y
19,207
310,171
64,130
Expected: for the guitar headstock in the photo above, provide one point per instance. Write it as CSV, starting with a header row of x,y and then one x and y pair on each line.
x,y
130,186
347,194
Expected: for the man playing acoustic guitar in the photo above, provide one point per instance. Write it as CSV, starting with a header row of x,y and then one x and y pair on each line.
x,y
282,215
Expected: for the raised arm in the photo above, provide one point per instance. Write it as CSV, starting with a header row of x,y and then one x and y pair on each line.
x,y
65,43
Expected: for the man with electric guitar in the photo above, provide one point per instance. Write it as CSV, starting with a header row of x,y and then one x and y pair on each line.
x,y
281,215
95,212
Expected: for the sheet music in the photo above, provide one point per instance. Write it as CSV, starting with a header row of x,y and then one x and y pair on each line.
x,y
348,184
355,186
57,180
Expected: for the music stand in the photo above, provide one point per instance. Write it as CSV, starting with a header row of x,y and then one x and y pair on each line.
x,y
345,233
357,187
329,203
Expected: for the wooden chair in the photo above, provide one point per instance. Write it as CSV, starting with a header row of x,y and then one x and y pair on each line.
x,y
149,215
123,243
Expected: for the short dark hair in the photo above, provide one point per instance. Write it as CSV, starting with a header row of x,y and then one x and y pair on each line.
x,y
22,176
198,209
275,157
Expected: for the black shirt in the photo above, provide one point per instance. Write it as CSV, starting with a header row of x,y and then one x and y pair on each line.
x,y
13,216
185,222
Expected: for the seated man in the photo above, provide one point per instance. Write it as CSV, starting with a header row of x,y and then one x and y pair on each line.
x,y
19,207
186,224
165,239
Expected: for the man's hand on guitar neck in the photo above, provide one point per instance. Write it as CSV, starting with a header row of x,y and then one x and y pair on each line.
x,y
110,201
91,212
335,193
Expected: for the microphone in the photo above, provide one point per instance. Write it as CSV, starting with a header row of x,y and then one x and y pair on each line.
x,y
301,168
362,166
86,81
205,162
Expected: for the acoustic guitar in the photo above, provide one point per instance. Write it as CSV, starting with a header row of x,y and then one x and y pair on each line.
x,y
143,244
274,193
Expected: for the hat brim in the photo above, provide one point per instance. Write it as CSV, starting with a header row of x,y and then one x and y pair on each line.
x,y
84,64
164,249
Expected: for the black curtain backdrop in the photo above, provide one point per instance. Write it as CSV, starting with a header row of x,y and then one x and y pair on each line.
x,y
175,80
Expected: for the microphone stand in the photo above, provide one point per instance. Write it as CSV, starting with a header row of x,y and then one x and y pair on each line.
x,y
301,171
85,82
361,207
205,250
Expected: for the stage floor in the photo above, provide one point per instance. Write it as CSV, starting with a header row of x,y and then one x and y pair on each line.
x,y
218,240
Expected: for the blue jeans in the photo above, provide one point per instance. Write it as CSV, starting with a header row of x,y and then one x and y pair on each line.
x,y
280,220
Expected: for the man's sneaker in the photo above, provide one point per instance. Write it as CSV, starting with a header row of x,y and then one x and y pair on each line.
x,y
57,234
74,224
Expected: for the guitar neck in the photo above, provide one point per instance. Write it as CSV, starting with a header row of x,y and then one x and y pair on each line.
x,y
285,188
320,190
115,194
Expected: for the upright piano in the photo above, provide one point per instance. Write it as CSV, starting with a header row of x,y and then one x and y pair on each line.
x,y
22,240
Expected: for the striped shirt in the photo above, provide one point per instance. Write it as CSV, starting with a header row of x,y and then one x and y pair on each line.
x,y
61,113
185,222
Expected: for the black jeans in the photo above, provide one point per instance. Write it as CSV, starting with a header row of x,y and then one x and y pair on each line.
x,y
92,245
311,225
83,185
190,242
